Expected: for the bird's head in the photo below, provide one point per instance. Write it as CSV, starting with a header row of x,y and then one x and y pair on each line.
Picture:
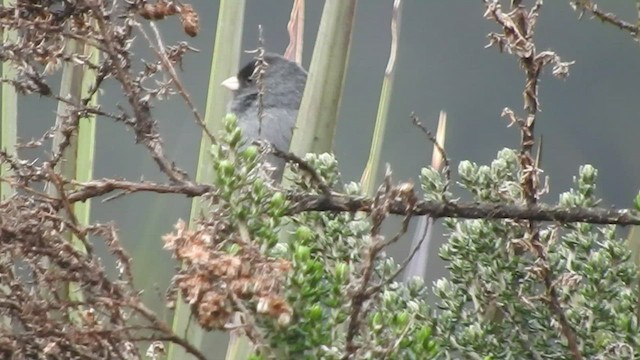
x,y
280,77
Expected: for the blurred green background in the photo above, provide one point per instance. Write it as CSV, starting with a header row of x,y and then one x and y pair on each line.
x,y
592,117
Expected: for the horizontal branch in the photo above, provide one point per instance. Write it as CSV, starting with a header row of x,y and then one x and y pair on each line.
x,y
337,202
344,203
98,188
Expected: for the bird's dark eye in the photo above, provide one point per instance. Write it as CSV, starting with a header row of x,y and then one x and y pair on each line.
x,y
245,74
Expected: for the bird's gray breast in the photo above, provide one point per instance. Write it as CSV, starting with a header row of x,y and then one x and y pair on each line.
x,y
276,128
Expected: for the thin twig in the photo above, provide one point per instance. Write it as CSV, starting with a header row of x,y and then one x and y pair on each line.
x,y
447,168
302,165
168,66
258,75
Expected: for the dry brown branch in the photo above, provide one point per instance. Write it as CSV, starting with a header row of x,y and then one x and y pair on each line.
x,y
592,8
107,320
517,37
32,231
379,211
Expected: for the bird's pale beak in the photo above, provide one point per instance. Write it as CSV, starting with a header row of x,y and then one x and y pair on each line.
x,y
231,83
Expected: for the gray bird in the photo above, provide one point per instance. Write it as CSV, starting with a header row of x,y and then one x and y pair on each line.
x,y
283,86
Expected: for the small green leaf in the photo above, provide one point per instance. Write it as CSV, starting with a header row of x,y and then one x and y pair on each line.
x,y
636,202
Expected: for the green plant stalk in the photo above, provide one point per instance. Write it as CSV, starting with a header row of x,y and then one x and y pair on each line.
x,y
9,112
633,243
71,88
225,62
373,163
368,180
85,156
318,115
8,132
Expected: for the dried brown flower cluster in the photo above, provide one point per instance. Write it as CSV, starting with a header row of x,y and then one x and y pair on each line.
x,y
217,283
163,8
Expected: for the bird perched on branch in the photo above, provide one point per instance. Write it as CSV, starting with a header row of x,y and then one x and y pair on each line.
x,y
272,90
